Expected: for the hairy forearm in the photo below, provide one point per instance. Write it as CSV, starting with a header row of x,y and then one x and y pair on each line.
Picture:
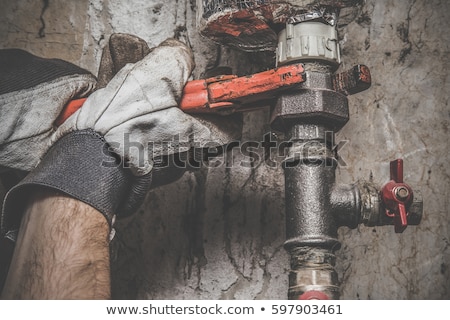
x,y
62,251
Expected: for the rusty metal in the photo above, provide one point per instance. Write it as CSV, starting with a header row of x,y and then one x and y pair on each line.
x,y
314,102
310,220
346,204
352,81
252,25
315,205
245,29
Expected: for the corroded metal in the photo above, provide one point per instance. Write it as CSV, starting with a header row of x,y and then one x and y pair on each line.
x,y
252,25
352,81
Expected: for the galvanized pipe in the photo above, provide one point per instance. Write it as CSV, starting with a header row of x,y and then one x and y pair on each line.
x,y
309,217
311,228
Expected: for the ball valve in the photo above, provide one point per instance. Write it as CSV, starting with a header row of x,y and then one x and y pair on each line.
x,y
397,197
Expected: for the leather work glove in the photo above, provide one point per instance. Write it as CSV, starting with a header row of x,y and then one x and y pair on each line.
x,y
104,153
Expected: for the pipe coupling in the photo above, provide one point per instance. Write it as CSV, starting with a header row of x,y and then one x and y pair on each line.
x,y
308,41
312,270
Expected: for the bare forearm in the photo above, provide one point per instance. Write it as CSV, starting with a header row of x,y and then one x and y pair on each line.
x,y
62,251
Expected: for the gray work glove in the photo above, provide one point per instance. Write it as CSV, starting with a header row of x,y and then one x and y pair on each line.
x,y
139,105
33,92
123,49
104,153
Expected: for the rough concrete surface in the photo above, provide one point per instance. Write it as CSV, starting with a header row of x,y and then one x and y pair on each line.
x,y
218,232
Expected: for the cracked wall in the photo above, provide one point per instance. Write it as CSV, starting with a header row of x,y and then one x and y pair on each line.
x,y
218,232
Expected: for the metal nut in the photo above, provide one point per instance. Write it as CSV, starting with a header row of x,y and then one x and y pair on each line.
x,y
401,193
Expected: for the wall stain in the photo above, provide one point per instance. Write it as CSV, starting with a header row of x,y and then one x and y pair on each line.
x,y
193,224
403,34
41,33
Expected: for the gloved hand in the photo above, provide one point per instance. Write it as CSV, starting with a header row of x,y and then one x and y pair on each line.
x,y
135,117
122,49
33,91
139,107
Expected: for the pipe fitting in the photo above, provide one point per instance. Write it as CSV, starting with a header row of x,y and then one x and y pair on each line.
x,y
315,102
316,206
308,41
346,204
309,217
373,210
307,132
312,270
370,204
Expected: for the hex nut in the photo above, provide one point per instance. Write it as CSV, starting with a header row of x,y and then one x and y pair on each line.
x,y
310,106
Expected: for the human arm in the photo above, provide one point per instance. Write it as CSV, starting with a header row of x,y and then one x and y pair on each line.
x,y
62,241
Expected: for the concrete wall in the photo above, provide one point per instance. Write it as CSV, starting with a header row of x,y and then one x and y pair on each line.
x,y
218,232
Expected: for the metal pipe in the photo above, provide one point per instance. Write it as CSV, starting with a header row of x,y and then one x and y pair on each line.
x,y
315,205
311,228
309,217
312,274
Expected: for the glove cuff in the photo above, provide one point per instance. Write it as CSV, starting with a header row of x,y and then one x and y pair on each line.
x,y
80,165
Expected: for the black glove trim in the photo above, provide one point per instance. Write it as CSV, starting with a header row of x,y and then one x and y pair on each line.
x,y
21,70
80,165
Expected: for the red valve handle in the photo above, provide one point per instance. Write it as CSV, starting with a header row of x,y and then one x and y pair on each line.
x,y
397,197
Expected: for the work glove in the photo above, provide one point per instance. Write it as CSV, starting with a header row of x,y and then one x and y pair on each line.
x,y
104,153
139,107
33,92
123,49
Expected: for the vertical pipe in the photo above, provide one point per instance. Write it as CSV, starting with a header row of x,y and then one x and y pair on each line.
x,y
311,228
309,220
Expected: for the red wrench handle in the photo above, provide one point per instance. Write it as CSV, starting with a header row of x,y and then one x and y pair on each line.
x,y
214,94
228,92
